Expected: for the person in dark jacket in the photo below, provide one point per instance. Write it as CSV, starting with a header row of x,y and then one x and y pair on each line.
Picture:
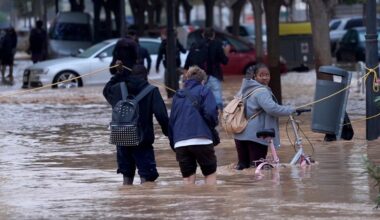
x,y
142,52
170,82
141,156
189,127
38,43
125,52
8,52
217,55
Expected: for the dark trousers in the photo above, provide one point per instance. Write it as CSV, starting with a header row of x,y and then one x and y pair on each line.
x,y
250,151
128,158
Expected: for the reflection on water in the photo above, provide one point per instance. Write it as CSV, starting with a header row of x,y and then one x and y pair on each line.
x,y
56,163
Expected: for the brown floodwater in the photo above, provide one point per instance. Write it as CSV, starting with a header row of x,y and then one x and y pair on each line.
x,y
56,163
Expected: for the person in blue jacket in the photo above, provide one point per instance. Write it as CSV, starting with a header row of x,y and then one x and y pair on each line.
x,y
193,115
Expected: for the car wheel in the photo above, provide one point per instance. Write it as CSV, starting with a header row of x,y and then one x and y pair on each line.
x,y
249,69
64,80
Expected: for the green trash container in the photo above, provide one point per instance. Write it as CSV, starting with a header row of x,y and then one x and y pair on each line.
x,y
328,115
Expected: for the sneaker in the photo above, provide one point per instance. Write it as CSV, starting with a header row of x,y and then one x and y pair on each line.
x,y
240,166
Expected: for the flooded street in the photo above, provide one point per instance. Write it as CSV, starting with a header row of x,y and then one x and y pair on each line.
x,y
56,163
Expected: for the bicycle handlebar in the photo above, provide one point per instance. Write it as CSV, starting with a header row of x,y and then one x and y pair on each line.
x,y
302,110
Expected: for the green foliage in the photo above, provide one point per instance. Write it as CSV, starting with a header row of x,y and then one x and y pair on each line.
x,y
373,171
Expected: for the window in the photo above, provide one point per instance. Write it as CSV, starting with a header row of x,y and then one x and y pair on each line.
x,y
152,47
334,25
93,49
70,32
354,23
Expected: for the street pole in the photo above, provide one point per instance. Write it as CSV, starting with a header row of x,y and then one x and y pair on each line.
x,y
122,18
373,125
171,41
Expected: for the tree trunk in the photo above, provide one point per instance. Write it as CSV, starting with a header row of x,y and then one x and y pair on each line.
x,y
77,5
209,6
187,6
320,17
138,9
272,14
98,4
236,11
257,12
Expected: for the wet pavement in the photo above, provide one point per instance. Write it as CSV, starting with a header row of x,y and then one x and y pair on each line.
x,y
56,163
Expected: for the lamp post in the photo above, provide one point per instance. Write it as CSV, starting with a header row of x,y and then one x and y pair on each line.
x,y
371,54
170,46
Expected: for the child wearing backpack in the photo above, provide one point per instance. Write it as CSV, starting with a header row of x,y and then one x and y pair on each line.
x,y
193,115
142,154
251,149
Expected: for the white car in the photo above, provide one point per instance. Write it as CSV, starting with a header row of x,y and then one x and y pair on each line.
x,y
98,56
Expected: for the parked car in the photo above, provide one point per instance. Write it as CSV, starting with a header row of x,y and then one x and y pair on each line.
x,y
242,57
247,31
96,57
351,48
338,28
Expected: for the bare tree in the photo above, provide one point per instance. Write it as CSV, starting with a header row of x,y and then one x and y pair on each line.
x,y
77,5
272,15
257,12
209,5
237,7
320,11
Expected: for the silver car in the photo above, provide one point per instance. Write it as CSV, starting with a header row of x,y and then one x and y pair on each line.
x,y
96,57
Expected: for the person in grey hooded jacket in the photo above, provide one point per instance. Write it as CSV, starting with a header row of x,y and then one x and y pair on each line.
x,y
251,149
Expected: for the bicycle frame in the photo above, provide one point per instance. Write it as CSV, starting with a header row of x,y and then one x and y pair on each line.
x,y
298,157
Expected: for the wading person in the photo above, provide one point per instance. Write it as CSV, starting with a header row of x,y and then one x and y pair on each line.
x,y
141,156
170,81
38,43
8,51
194,112
251,149
126,53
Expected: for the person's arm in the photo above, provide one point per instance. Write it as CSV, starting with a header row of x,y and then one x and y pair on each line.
x,y
108,92
209,108
221,54
160,112
266,102
180,47
159,56
148,59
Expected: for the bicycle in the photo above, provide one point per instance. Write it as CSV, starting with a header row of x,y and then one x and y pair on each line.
x,y
274,161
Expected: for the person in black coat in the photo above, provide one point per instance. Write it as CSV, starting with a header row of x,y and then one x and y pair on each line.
x,y
141,156
170,82
38,43
142,52
8,51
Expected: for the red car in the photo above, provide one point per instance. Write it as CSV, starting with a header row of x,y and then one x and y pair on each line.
x,y
242,57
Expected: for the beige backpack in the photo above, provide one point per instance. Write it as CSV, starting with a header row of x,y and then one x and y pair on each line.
x,y
233,118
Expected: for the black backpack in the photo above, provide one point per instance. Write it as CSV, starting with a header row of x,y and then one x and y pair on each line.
x,y
198,55
125,129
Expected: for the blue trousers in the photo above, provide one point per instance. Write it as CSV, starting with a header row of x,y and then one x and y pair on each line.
x,y
215,85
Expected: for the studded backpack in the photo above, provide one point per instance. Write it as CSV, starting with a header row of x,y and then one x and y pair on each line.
x,y
125,129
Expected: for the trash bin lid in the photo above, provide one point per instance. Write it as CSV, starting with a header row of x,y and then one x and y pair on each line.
x,y
333,70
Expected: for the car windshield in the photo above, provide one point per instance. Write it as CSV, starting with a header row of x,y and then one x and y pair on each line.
x,y
92,50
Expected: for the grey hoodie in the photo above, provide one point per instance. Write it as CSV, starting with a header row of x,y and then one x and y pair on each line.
x,y
268,118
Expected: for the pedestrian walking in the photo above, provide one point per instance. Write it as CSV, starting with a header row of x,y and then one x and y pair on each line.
x,y
209,54
193,115
141,156
171,82
142,52
8,51
250,149
38,43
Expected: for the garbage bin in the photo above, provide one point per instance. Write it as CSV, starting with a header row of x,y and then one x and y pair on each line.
x,y
328,115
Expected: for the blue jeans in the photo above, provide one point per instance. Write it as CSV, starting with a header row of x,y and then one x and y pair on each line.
x,y
215,85
142,157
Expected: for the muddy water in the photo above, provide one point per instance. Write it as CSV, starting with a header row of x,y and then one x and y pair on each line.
x,y
55,163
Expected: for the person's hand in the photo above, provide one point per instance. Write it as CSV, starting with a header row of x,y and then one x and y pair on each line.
x,y
227,49
119,68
